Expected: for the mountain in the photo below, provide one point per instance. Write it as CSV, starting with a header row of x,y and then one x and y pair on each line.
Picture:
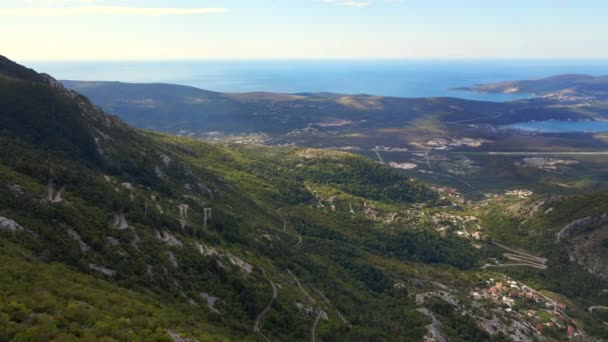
x,y
110,232
174,109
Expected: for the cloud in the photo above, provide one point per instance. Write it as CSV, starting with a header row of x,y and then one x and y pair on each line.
x,y
107,10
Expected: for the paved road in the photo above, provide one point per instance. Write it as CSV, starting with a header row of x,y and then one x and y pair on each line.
x,y
379,156
540,267
521,253
519,258
597,307
552,153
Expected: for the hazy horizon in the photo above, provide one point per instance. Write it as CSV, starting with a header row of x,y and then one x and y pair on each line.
x,y
400,78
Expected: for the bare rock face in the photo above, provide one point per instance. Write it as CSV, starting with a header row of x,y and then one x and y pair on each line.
x,y
434,330
517,331
76,237
581,225
178,338
7,224
211,301
169,238
15,189
588,251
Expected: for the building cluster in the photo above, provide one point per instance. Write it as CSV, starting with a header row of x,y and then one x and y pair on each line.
x,y
441,144
449,193
390,149
525,303
467,226
521,193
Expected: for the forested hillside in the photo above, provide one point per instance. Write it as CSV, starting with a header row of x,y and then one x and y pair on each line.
x,y
114,233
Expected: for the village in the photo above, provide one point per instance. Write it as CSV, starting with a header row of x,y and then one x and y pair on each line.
x,y
520,193
546,315
547,164
463,226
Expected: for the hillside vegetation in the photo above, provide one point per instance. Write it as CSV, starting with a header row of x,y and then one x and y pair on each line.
x,y
114,233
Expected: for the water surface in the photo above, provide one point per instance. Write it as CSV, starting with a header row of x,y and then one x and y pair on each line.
x,y
558,126
402,78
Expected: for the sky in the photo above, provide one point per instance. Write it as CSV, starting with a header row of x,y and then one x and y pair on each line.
x,y
303,29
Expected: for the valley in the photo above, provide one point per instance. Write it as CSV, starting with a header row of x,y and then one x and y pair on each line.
x,y
120,233
445,141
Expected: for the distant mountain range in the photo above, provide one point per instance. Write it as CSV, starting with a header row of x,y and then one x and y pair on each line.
x,y
175,108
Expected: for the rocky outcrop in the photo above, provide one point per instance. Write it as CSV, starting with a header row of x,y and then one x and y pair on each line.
x,y
516,330
15,189
169,238
211,251
7,224
588,251
76,237
205,249
211,301
580,226
243,265
421,298
178,338
434,330
172,259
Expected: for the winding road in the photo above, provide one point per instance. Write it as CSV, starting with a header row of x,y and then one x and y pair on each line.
x,y
519,258
313,332
312,300
119,221
285,222
486,266
183,214
282,218
256,325
521,253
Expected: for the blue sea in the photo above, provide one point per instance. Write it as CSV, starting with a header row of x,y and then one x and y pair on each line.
x,y
405,78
